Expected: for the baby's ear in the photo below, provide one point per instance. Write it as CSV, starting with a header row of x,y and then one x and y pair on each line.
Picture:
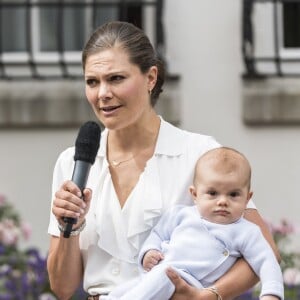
x,y
193,192
250,194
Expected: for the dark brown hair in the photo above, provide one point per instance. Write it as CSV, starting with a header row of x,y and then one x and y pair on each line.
x,y
134,41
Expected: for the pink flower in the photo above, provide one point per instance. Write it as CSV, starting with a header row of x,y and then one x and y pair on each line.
x,y
2,200
284,228
291,276
26,230
9,232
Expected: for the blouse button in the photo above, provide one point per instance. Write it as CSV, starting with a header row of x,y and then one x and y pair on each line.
x,y
115,271
225,252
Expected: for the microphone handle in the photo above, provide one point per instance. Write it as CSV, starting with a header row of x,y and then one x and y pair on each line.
x,y
81,173
79,177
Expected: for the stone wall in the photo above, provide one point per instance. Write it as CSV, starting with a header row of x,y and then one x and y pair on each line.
x,y
29,104
272,101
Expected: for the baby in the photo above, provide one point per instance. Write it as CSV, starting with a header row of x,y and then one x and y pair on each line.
x,y
202,242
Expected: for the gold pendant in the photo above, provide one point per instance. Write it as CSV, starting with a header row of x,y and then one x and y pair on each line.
x,y
115,163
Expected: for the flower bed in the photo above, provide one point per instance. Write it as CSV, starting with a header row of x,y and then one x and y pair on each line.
x,y
23,273
290,263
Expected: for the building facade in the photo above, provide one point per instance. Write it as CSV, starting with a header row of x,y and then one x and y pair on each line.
x,y
227,77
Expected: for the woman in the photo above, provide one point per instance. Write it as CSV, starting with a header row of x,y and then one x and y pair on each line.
x,y
144,166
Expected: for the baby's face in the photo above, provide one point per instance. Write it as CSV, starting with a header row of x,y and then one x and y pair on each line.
x,y
221,195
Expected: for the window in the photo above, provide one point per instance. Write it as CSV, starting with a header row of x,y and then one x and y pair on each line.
x,y
289,37
59,28
291,25
13,30
271,50
49,32
271,37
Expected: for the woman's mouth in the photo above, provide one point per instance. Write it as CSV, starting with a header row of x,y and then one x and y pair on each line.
x,y
110,109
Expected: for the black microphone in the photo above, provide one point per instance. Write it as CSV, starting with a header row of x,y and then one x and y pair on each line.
x,y
86,148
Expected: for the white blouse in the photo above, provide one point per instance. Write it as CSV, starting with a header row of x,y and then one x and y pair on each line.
x,y
113,236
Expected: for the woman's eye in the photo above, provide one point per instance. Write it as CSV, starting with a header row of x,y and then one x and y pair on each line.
x,y
91,82
116,78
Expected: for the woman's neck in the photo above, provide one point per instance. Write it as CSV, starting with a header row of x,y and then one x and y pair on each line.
x,y
134,138
128,152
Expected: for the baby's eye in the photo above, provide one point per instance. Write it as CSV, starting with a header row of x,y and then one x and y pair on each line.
x,y
212,193
234,194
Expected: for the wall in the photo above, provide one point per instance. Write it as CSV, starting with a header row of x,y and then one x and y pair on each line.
x,y
209,59
27,160
203,46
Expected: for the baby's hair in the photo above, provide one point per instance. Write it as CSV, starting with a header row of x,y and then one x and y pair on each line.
x,y
225,157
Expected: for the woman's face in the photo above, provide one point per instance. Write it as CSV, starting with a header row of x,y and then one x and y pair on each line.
x,y
116,89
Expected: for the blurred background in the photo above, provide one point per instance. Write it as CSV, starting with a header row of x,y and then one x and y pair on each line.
x,y
233,73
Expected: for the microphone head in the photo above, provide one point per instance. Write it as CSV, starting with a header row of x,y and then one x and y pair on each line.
x,y
87,142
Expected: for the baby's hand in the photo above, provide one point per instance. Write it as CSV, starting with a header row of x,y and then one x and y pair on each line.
x,y
151,259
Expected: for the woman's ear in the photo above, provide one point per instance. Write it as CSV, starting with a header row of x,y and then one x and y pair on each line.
x,y
152,77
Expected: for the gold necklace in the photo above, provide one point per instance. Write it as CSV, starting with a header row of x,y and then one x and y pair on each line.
x,y
114,163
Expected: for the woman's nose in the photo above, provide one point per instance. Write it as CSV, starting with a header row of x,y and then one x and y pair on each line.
x,y
104,92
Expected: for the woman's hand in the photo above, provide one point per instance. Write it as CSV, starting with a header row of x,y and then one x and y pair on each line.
x,y
184,291
64,262
68,202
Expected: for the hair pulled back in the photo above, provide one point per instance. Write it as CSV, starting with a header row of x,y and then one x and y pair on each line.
x,y
134,41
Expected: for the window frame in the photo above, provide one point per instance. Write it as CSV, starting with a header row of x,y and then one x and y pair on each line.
x,y
34,51
285,52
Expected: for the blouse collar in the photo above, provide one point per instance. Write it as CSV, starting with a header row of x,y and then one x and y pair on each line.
x,y
170,140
